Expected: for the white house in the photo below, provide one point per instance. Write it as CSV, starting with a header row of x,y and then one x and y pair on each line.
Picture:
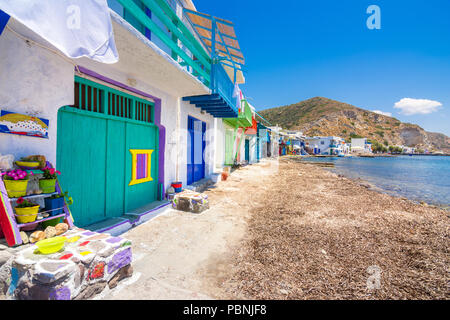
x,y
326,145
360,145
126,130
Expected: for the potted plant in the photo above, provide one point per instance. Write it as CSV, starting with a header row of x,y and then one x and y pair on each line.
x,y
55,206
26,211
55,203
16,182
48,182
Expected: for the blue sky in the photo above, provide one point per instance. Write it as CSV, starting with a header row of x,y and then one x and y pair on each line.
x,y
298,49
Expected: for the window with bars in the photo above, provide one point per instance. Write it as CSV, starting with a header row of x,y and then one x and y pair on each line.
x,y
94,97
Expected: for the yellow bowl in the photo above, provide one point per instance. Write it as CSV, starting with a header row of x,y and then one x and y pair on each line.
x,y
29,164
52,245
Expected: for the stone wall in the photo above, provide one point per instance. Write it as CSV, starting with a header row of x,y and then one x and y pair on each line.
x,y
89,262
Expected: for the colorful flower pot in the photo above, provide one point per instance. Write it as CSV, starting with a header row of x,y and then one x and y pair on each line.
x,y
16,188
55,205
47,185
178,186
26,215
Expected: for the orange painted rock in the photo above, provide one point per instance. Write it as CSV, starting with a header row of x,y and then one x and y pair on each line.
x,y
61,228
37,236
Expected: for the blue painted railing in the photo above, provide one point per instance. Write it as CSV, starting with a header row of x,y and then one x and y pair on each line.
x,y
222,85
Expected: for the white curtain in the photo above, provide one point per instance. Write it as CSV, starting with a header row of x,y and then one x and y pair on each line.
x,y
78,28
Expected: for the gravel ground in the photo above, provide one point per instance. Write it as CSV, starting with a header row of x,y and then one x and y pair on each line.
x,y
314,235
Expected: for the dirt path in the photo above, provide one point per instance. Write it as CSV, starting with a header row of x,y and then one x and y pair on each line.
x,y
181,255
292,231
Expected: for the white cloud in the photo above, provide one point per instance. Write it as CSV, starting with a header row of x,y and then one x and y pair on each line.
x,y
383,113
409,106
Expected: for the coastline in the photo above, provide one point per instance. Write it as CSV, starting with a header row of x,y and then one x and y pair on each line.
x,y
343,170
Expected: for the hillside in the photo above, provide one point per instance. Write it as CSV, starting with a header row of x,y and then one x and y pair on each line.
x,y
325,117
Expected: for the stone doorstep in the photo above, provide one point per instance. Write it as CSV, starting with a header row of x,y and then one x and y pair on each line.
x,y
83,268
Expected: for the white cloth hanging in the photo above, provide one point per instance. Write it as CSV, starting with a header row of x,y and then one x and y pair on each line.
x,y
78,28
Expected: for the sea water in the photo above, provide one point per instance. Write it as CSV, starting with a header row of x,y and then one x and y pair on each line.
x,y
419,178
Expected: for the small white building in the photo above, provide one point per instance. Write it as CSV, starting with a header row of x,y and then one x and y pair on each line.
x,y
360,145
326,145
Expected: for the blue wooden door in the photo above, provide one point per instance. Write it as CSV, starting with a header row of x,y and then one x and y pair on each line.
x,y
195,150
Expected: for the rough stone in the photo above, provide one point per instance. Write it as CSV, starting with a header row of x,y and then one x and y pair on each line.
x,y
61,228
24,237
50,232
48,272
4,256
91,290
190,201
124,272
37,236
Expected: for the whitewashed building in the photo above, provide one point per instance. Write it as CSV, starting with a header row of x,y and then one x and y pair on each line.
x,y
129,129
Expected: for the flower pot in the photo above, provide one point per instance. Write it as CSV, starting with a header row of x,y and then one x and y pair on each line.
x,y
178,186
16,188
52,204
26,215
47,185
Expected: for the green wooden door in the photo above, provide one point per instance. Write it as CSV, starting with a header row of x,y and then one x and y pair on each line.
x,y
97,151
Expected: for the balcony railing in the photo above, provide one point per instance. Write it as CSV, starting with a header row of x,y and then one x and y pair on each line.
x,y
222,85
191,52
244,119
158,19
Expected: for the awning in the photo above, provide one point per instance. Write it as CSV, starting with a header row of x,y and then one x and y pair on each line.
x,y
78,28
226,46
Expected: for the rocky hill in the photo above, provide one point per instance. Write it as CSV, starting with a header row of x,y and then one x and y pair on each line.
x,y
325,117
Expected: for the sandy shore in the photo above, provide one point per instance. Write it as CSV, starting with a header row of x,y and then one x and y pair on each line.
x,y
285,230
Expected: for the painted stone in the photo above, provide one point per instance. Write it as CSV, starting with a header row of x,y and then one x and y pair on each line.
x,y
88,233
51,271
66,256
114,240
96,245
98,237
69,274
73,239
60,294
119,260
97,272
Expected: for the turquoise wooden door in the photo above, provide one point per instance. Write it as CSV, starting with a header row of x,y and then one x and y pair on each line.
x,y
98,153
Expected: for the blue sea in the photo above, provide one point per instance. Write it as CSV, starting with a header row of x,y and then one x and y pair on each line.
x,y
419,178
